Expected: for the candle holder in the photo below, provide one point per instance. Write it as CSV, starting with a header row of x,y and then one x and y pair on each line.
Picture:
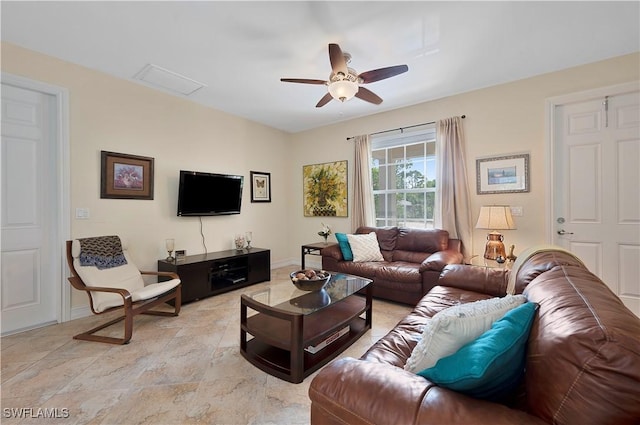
x,y
248,237
170,245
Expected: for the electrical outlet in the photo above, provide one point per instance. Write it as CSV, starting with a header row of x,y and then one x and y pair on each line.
x,y
516,211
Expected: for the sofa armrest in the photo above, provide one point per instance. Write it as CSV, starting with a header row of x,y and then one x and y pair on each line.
x,y
438,260
361,392
357,391
332,251
478,279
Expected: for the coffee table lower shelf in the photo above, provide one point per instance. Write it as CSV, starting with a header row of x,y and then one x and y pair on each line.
x,y
274,341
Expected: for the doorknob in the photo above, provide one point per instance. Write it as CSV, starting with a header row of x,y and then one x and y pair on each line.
x,y
563,232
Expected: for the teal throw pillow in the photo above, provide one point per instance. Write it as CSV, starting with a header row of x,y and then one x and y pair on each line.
x,y
345,247
493,364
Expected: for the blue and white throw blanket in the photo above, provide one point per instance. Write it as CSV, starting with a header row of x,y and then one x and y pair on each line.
x,y
103,252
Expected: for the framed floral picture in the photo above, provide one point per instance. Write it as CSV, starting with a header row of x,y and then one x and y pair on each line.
x,y
503,174
260,186
126,176
325,189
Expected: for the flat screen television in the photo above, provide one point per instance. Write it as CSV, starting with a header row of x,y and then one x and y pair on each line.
x,y
202,194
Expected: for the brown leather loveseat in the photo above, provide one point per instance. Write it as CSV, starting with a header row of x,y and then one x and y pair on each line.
x,y
582,361
413,258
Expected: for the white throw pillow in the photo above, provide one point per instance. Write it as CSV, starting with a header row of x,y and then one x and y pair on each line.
x,y
365,247
451,328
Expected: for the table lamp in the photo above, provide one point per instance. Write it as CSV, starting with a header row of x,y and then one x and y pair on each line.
x,y
495,217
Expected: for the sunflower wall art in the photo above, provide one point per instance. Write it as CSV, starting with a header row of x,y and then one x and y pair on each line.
x,y
325,189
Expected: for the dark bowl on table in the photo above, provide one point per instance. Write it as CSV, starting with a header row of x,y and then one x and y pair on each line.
x,y
310,280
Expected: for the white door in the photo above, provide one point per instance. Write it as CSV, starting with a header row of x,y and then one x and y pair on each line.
x,y
597,188
29,280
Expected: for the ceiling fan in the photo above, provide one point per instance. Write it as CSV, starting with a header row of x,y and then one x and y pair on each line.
x,y
344,82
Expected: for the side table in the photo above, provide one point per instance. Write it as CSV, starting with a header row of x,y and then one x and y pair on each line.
x,y
313,249
480,261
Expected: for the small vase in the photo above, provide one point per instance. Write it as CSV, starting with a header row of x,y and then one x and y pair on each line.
x,y
239,241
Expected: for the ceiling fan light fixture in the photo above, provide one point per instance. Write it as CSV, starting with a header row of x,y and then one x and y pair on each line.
x,y
343,90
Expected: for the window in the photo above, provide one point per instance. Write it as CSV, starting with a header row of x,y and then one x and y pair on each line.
x,y
403,171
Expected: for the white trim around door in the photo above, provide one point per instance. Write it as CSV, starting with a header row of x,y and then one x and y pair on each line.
x,y
63,224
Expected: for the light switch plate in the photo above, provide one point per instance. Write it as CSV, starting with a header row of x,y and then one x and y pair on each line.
x,y
82,213
516,211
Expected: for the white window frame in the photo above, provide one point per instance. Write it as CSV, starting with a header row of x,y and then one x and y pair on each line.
x,y
424,135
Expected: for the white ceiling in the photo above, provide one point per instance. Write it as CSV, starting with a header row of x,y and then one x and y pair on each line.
x,y
241,49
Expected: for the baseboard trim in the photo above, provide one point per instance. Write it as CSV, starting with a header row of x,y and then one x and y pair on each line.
x,y
310,263
28,328
80,312
284,263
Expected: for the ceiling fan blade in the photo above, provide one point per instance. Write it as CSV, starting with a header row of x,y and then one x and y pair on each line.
x,y
368,95
302,80
382,73
336,57
326,99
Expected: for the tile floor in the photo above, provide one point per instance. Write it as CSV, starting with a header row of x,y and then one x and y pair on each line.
x,y
175,370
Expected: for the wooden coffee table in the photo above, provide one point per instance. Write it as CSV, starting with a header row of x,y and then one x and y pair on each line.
x,y
282,327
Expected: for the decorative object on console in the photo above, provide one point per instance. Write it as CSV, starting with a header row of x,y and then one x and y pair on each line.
x,y
502,174
125,176
239,242
511,257
260,186
495,217
325,189
249,237
181,254
324,232
170,245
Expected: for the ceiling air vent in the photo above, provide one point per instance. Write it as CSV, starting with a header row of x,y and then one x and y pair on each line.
x,y
168,80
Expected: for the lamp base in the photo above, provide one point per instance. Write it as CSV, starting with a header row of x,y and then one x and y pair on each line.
x,y
494,247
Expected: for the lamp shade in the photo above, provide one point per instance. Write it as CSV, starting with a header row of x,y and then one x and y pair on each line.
x,y
343,90
495,217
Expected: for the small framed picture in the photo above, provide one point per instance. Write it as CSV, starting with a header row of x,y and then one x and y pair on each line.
x,y
260,186
126,176
503,174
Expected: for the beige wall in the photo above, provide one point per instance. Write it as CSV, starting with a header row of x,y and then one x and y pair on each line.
x,y
504,119
116,115
110,114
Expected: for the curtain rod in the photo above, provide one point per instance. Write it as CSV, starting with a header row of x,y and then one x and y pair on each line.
x,y
403,128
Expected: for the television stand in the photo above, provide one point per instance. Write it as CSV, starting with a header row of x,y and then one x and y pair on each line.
x,y
213,273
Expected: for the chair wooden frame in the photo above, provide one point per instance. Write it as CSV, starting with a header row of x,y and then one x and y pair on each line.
x,y
131,309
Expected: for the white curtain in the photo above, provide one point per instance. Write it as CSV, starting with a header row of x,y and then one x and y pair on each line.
x,y
363,213
454,210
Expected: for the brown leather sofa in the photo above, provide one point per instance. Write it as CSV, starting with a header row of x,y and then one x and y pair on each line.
x,y
582,361
414,259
